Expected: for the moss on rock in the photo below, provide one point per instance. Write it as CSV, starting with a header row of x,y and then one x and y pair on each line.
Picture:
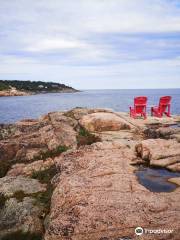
x,y
2,200
4,167
19,235
84,137
51,153
44,198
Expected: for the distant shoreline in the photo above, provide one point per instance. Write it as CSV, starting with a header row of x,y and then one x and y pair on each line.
x,y
16,93
26,88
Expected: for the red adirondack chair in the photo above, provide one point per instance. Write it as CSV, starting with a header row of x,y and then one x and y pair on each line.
x,y
163,108
139,107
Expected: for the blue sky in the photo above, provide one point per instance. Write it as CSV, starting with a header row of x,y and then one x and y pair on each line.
x,y
92,44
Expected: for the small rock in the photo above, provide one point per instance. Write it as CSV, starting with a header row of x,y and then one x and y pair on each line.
x,y
175,180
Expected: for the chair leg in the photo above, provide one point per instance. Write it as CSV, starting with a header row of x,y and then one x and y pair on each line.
x,y
152,112
159,115
145,115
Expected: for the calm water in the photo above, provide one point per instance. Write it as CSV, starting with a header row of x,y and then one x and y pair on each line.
x,y
16,108
156,180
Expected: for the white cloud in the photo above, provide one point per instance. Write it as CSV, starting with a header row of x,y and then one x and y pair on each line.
x,y
72,41
136,74
55,44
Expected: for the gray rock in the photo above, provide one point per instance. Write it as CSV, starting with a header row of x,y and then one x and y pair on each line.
x,y
20,212
10,185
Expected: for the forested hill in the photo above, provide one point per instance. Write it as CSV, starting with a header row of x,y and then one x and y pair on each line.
x,y
34,86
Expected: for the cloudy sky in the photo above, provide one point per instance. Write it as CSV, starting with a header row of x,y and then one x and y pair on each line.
x,y
92,44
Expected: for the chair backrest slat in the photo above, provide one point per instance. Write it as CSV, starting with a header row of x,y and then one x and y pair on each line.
x,y
140,104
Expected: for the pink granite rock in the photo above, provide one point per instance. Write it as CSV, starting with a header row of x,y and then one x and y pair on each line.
x,y
97,196
103,122
159,152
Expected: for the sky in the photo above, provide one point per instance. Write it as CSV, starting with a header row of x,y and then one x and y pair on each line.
x,y
91,44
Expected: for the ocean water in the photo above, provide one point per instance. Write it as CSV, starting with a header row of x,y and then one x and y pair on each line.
x,y
13,109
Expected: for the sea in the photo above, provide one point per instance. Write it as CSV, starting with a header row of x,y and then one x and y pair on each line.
x,y
13,109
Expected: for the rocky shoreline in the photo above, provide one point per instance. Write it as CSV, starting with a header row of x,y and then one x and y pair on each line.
x,y
15,92
71,176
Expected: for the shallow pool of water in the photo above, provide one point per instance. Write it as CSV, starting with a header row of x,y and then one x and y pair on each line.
x,y
156,180
177,125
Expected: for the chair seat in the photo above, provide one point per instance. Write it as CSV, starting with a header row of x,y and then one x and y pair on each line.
x,y
155,109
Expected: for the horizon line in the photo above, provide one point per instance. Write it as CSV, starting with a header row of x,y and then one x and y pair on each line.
x,y
128,88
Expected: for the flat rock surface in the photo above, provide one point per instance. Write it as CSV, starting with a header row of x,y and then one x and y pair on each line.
x,y
140,122
10,185
97,196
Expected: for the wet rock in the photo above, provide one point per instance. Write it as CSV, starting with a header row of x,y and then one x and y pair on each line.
x,y
98,196
159,152
164,132
98,122
174,167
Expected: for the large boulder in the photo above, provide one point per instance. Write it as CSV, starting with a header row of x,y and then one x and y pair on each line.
x,y
160,152
31,140
103,121
59,131
78,112
97,196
